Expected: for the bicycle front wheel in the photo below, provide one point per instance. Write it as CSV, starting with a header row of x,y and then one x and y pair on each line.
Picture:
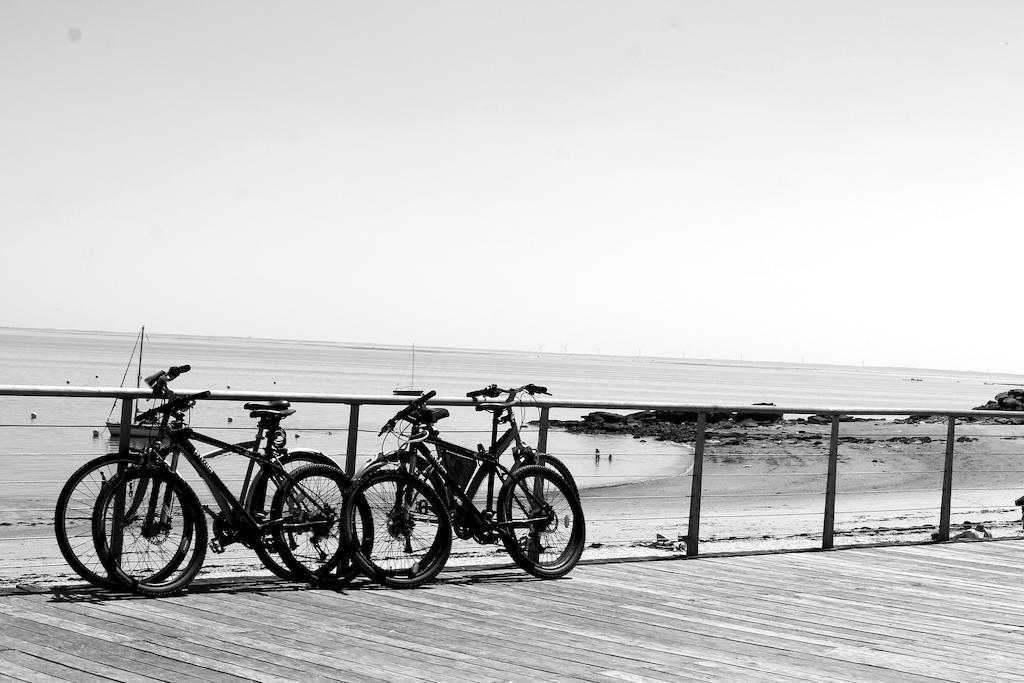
x,y
149,530
72,518
541,521
412,535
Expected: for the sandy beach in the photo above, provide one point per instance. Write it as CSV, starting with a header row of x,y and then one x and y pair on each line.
x,y
764,487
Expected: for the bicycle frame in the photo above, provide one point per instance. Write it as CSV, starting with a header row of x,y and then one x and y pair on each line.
x,y
488,467
233,508
236,515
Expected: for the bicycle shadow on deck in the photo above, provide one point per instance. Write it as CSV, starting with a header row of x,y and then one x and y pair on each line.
x,y
267,585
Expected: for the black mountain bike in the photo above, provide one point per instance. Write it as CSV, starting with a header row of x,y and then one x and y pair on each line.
x,y
77,499
461,462
537,515
149,528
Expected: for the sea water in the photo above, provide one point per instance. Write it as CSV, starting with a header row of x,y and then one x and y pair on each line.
x,y
63,430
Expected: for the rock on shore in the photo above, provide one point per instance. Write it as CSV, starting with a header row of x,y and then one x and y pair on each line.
x,y
662,425
680,426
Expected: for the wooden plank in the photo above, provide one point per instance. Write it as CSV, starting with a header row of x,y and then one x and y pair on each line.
x,y
52,658
82,653
341,626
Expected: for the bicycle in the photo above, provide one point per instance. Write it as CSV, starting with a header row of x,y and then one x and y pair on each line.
x,y
150,531
413,526
463,460
77,498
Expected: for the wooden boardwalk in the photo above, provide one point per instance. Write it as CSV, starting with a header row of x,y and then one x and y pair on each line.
x,y
951,612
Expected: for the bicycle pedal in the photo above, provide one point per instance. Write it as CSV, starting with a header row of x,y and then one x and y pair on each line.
x,y
216,546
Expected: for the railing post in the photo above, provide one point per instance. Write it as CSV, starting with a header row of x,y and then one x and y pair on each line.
x,y
696,485
830,486
353,439
127,415
542,431
947,482
123,444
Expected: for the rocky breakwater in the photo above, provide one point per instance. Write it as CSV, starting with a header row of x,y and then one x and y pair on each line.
x,y
1008,400
662,425
1012,400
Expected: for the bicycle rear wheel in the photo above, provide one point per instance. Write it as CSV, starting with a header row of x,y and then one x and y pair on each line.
x,y
554,463
72,518
264,487
149,530
542,522
412,534
308,510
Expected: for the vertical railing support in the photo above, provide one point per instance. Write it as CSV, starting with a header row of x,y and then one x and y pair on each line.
x,y
127,416
696,485
353,439
542,431
947,482
830,486
123,444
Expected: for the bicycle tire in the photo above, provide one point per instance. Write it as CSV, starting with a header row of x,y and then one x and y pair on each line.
x,y
143,565
399,556
551,546
314,494
72,517
425,470
262,497
547,460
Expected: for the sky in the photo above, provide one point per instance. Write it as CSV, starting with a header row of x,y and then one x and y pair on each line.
x,y
827,182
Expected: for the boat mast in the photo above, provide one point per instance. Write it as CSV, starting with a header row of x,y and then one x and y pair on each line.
x,y
142,340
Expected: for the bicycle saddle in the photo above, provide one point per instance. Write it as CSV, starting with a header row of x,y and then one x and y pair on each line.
x,y
268,412
277,404
432,415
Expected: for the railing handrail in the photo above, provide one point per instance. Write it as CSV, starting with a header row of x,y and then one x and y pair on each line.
x,y
388,399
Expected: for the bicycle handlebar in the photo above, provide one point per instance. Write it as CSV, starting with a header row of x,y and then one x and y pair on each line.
x,y
174,405
407,412
493,392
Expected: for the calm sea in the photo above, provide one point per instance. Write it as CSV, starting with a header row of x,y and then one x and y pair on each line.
x,y
63,428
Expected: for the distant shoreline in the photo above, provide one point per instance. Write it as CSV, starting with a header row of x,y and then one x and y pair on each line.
x,y
1017,379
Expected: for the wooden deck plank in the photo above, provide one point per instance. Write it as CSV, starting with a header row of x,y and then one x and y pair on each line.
x,y
943,612
51,657
759,611
427,625
759,654
370,642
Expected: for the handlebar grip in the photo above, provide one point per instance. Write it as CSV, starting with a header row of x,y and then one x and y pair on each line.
x,y
154,378
486,391
427,396
534,389
175,370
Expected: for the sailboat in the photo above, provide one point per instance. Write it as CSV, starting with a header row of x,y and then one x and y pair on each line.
x,y
114,424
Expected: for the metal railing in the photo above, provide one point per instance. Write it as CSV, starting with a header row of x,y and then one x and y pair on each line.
x,y
696,474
